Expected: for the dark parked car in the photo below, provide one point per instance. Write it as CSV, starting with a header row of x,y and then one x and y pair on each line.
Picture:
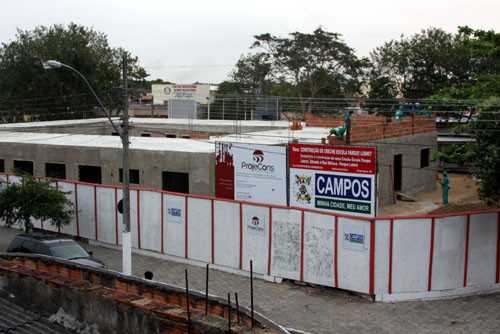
x,y
53,245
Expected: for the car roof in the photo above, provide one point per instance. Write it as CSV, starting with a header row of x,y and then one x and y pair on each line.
x,y
45,237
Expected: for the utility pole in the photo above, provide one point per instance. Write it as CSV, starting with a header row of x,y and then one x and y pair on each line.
x,y
126,236
152,107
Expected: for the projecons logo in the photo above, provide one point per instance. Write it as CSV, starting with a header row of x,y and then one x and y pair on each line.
x,y
256,226
258,158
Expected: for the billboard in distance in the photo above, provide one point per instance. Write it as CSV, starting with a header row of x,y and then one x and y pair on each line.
x,y
253,173
338,179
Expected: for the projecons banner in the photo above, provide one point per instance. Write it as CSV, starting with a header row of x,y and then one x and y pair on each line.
x,y
254,173
333,178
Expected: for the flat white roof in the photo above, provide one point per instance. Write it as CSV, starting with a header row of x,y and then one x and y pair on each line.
x,y
311,135
149,121
206,122
136,143
72,122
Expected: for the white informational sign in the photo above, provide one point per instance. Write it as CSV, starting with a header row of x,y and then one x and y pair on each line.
x,y
174,212
256,224
338,179
354,238
198,93
253,173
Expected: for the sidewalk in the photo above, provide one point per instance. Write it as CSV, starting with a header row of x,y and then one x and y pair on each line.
x,y
318,309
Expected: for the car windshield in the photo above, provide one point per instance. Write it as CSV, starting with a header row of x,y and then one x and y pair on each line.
x,y
68,251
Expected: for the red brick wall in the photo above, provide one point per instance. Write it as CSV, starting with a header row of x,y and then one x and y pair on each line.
x,y
371,128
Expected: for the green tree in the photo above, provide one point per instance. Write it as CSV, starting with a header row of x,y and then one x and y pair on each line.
x,y
484,48
252,74
482,91
311,65
485,151
27,89
420,65
38,199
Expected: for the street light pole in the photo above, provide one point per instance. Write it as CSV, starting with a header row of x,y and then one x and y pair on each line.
x,y
124,135
126,235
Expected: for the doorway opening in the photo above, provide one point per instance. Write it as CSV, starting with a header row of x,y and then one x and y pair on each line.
x,y
26,167
398,171
175,182
89,174
56,171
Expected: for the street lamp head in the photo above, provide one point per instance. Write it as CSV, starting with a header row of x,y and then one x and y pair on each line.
x,y
49,64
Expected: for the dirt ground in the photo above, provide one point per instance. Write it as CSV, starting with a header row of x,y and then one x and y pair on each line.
x,y
461,197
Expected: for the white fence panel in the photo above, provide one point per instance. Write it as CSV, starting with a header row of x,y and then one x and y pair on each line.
x,y
382,250
119,196
15,179
134,227
3,186
286,243
150,214
482,263
255,245
227,233
449,253
200,229
106,215
319,249
86,215
411,255
174,227
69,188
354,264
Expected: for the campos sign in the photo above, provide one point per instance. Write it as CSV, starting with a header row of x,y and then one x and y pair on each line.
x,y
333,178
253,173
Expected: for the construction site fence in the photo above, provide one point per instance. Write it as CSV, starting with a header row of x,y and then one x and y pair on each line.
x,y
390,258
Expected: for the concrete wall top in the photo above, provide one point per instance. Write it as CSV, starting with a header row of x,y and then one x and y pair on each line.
x,y
73,122
136,143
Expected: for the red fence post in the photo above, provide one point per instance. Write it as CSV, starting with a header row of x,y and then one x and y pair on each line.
x,y
76,210
390,255
498,249
213,233
466,249
302,248
138,219
116,215
336,251
270,240
372,257
431,256
162,249
95,212
186,226
241,234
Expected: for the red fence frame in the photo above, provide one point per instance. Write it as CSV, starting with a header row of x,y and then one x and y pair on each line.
x,y
372,222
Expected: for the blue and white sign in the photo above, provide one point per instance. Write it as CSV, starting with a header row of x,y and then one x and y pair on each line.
x,y
354,238
174,212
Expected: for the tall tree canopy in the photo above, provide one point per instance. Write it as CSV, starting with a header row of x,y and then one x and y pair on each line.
x,y
26,88
482,91
420,65
252,73
484,82
312,65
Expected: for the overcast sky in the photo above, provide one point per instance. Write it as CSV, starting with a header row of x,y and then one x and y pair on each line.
x,y
194,40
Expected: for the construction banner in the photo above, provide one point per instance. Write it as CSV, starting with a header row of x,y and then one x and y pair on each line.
x,y
337,179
